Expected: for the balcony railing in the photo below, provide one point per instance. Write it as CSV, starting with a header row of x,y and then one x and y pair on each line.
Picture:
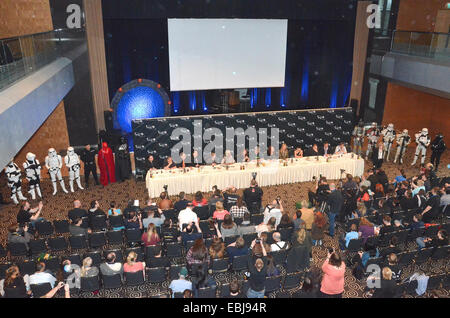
x,y
423,44
21,56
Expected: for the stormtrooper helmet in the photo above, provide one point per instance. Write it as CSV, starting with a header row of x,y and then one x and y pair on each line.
x,y
11,163
425,131
390,127
52,153
30,156
70,151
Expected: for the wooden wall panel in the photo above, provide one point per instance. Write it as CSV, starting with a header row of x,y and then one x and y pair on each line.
x,y
22,17
97,59
359,51
419,15
52,134
411,109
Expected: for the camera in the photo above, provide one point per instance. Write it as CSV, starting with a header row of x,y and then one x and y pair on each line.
x,y
257,241
254,174
165,187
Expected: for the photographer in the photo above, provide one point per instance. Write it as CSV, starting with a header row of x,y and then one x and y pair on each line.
x,y
16,234
165,203
134,221
274,210
253,197
29,215
258,272
322,191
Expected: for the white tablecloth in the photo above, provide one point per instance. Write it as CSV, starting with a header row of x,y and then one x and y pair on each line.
x,y
268,173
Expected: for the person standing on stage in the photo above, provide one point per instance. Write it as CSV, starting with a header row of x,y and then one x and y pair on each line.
x,y
106,165
88,158
437,147
377,156
123,163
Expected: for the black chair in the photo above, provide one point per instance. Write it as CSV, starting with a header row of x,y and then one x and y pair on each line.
x,y
208,242
115,237
224,290
118,252
286,233
238,221
431,231
112,281
245,286
174,271
57,244
279,257
434,281
75,259
27,267
446,281
256,219
52,264
90,284
292,280
202,212
17,249
97,240
3,268
354,245
240,263
440,253
207,292
171,214
134,279
37,246
173,250
116,221
284,294
230,239
156,275
219,265
78,242
61,226
44,228
96,257
151,251
272,283
416,233
98,223
248,238
2,251
423,255
133,236
178,295
402,237
40,290
406,258
188,245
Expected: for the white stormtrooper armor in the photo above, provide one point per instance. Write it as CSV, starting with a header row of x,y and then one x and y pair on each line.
x,y
72,162
53,162
388,139
14,181
373,134
403,141
423,141
32,169
358,138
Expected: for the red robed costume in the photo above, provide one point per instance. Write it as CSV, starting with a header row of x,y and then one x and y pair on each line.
x,y
106,165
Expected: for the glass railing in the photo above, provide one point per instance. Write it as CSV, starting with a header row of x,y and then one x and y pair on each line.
x,y
21,56
424,44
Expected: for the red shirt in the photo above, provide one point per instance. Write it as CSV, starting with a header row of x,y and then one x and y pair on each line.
x,y
220,215
203,202
153,240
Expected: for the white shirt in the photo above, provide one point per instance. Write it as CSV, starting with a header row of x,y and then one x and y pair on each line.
x,y
40,278
340,150
186,216
273,213
274,247
380,153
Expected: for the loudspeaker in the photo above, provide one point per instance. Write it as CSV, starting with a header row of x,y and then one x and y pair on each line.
x,y
109,121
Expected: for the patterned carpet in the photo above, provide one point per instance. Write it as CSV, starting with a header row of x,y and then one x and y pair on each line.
x,y
56,208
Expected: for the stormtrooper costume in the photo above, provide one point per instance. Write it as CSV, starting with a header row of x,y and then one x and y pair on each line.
x,y
53,162
388,139
403,141
358,138
14,181
423,141
72,162
373,134
32,169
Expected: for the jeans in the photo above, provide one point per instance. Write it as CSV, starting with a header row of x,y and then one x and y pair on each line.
x,y
255,294
33,223
317,242
331,219
420,243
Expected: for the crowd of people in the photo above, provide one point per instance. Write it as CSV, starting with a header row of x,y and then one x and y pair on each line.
x,y
219,227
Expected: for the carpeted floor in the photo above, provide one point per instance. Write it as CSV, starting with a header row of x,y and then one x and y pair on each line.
x,y
56,208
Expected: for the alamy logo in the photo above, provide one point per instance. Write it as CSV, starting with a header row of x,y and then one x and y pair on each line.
x,y
74,19
374,19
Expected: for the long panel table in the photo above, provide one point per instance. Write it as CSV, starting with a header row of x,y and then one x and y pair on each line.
x,y
268,173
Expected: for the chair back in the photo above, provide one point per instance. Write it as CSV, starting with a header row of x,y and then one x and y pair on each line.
x,y
112,281
78,241
40,290
134,279
90,284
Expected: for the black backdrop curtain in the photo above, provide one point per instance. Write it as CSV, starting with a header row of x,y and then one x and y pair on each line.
x,y
318,64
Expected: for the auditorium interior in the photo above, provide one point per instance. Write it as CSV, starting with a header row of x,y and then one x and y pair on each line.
x,y
307,121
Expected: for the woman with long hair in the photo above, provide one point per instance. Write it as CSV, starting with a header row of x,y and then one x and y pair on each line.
x,y
197,254
299,255
228,227
217,249
132,265
284,152
199,200
258,272
318,227
272,269
285,222
151,237
220,212
87,270
14,285
333,276
201,279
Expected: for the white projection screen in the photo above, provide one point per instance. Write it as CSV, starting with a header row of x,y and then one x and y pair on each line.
x,y
226,53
